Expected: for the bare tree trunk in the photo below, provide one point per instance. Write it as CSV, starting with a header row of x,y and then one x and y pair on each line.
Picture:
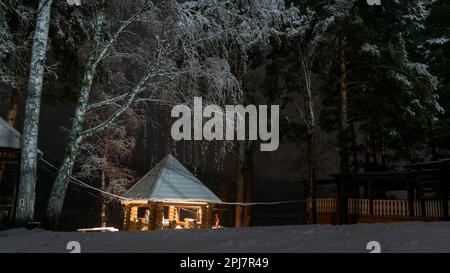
x,y
2,171
367,148
77,134
244,187
239,72
248,188
355,154
26,194
382,148
56,200
58,192
343,141
309,118
240,184
311,213
431,140
104,218
374,149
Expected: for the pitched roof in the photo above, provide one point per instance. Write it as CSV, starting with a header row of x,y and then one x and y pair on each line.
x,y
170,180
10,137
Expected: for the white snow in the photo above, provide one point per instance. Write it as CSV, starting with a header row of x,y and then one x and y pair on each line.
x,y
393,237
438,41
371,49
401,79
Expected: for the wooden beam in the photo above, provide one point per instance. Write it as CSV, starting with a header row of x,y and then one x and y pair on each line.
x,y
152,220
14,197
134,202
159,215
410,192
370,193
210,215
182,203
126,217
2,171
443,188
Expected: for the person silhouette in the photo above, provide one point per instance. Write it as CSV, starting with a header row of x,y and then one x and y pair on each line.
x,y
217,221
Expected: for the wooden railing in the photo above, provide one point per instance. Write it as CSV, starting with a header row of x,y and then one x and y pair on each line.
x,y
327,205
432,208
358,206
390,207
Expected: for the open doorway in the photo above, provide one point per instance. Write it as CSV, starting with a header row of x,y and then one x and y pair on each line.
x,y
182,217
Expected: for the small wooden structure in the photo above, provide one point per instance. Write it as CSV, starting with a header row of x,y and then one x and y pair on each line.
x,y
10,145
420,192
168,197
9,171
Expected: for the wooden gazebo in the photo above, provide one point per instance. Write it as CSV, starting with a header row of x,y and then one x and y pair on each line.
x,y
169,196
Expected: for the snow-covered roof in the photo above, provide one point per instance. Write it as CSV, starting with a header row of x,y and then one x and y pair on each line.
x,y
9,137
170,180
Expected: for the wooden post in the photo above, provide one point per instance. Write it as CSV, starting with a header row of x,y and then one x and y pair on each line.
x,y
210,215
126,217
370,193
173,213
133,224
421,199
443,187
410,190
152,220
14,196
204,217
159,214
343,133
2,171
103,207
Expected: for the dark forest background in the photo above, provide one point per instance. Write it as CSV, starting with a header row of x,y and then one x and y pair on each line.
x,y
397,84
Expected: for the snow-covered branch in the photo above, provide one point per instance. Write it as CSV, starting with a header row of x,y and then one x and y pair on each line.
x,y
138,89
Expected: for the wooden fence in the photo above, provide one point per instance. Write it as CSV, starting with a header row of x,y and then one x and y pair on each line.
x,y
432,208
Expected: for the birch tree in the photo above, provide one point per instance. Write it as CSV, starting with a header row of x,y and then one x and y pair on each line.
x,y
98,50
26,193
106,157
177,37
307,34
17,22
14,56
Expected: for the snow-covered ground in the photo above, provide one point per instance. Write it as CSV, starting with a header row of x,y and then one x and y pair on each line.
x,y
393,237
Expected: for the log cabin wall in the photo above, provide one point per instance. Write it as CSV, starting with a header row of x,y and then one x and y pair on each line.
x,y
9,181
132,221
159,215
206,215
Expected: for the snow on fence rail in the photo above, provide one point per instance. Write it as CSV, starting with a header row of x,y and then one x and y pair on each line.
x,y
380,207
